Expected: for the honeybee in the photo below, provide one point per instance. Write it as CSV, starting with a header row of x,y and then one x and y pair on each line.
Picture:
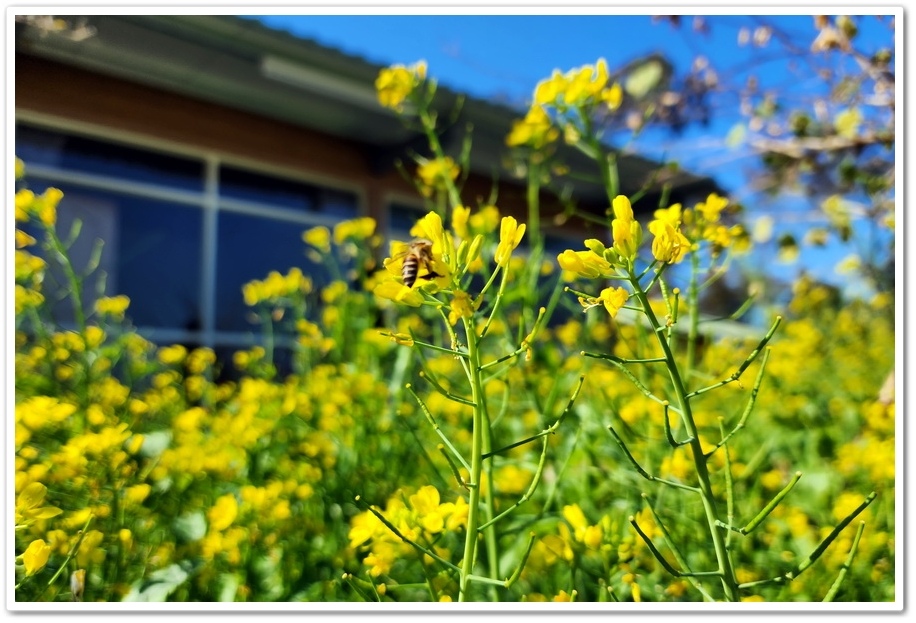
x,y
419,254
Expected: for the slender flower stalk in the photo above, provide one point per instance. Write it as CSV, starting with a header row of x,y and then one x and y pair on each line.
x,y
726,571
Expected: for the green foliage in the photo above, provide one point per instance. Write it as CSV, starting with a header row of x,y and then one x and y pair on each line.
x,y
462,438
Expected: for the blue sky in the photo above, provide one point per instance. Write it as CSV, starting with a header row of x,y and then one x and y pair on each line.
x,y
504,56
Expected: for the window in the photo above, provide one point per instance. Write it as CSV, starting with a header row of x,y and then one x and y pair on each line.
x,y
248,247
402,217
151,253
78,154
181,234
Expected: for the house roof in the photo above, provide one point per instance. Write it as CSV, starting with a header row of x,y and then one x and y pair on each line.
x,y
242,64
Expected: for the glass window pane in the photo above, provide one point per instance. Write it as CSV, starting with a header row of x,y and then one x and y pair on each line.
x,y
227,371
151,253
402,218
248,248
86,155
295,195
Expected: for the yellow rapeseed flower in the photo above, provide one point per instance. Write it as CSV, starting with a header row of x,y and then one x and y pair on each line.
x,y
358,229
43,206
436,174
670,245
612,96
171,355
536,130
548,91
403,339
223,512
461,307
613,299
399,293
36,556
363,527
460,216
113,306
23,239
627,232
510,235
585,83
29,505
41,411
26,298
89,550
585,264
319,237
485,220
395,84
711,209
137,493
430,227
671,214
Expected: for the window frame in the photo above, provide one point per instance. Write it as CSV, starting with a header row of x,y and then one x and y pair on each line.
x,y
208,201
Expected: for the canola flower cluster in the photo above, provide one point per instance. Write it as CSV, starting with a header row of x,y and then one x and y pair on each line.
x,y
135,461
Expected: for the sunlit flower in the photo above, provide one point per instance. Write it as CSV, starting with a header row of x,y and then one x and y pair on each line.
x,y
711,209
223,513
627,232
585,264
430,228
23,239
672,215
612,96
613,300
536,130
461,307
437,174
548,91
113,306
172,355
402,339
358,229
29,505
510,235
669,245
26,298
399,293
36,556
394,84
41,411
460,216
89,550
485,220
319,237
585,83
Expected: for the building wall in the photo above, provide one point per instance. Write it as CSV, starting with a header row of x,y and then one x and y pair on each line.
x,y
151,173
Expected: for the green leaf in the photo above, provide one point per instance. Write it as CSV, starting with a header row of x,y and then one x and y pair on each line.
x,y
643,79
155,443
847,122
190,527
736,136
162,583
228,587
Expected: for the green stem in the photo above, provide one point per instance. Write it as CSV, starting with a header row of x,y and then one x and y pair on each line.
x,y
477,396
693,309
75,283
429,127
729,583
534,206
268,323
